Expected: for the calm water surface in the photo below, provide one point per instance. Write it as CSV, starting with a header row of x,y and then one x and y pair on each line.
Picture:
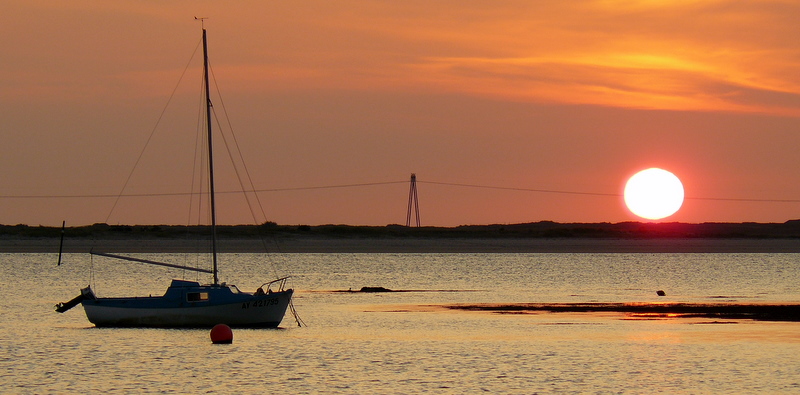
x,y
406,342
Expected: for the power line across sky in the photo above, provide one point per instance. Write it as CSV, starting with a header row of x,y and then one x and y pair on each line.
x,y
371,184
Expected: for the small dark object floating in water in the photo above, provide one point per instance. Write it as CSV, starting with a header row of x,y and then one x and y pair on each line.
x,y
661,293
375,289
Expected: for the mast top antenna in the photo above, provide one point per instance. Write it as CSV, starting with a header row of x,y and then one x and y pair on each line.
x,y
202,20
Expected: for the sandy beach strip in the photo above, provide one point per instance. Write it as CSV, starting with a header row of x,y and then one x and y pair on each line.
x,y
412,245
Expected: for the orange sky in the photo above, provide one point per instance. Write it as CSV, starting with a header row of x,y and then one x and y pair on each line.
x,y
569,96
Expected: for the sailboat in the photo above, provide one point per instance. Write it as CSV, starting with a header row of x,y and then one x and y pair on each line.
x,y
189,303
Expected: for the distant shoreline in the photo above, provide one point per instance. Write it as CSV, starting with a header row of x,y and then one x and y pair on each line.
x,y
411,245
537,237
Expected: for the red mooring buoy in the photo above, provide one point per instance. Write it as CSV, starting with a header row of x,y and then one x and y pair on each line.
x,y
221,334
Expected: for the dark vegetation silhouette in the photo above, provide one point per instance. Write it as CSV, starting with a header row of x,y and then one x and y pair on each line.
x,y
544,229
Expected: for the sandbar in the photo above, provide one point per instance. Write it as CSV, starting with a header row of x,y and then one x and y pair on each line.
x,y
758,312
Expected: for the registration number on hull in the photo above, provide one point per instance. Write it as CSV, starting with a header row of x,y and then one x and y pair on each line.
x,y
261,303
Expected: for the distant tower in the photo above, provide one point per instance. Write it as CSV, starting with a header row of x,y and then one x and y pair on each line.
x,y
412,199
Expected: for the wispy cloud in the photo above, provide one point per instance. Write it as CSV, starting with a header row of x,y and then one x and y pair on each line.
x,y
643,54
711,55
684,55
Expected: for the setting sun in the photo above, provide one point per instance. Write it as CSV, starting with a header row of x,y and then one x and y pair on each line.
x,y
653,194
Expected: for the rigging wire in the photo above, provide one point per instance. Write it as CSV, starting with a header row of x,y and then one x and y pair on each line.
x,y
250,183
199,161
152,133
236,169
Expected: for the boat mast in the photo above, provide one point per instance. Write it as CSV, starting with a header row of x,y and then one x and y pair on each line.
x,y
210,161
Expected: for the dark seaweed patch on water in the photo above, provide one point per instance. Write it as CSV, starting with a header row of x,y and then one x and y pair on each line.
x,y
762,312
730,297
387,290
